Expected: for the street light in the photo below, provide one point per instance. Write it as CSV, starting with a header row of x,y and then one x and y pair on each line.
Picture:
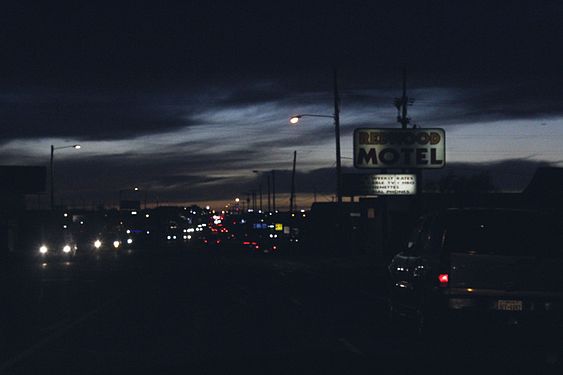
x,y
336,118
259,187
52,171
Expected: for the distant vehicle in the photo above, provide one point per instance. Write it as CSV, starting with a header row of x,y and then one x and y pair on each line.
x,y
56,245
107,240
263,243
212,240
500,265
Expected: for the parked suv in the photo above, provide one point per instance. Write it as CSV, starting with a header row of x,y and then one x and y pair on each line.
x,y
500,265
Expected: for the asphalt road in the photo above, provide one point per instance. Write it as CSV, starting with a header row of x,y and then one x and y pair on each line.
x,y
188,311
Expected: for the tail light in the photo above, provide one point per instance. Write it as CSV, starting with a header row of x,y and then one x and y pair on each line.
x,y
443,278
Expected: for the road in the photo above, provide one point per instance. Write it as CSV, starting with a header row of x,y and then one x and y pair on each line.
x,y
188,311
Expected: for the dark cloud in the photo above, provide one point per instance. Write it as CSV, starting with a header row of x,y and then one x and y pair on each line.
x,y
92,71
89,116
140,44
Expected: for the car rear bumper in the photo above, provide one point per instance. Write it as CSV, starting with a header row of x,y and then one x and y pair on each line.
x,y
512,308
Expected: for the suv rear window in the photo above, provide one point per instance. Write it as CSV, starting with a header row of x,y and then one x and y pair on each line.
x,y
503,232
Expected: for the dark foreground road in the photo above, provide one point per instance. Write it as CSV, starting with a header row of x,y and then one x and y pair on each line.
x,y
182,311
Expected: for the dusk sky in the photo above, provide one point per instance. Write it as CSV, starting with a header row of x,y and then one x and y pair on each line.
x,y
187,99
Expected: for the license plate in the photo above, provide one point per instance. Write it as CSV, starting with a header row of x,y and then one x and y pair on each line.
x,y
510,305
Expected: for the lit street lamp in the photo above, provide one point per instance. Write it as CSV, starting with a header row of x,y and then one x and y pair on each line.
x,y
259,187
336,118
53,148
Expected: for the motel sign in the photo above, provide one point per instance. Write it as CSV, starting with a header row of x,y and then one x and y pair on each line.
x,y
399,148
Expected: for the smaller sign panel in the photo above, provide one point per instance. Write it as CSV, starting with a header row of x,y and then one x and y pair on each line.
x,y
379,184
279,227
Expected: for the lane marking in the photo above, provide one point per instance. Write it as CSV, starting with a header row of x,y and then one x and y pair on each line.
x,y
55,326
296,302
351,348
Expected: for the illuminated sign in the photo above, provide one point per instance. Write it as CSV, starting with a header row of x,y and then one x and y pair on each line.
x,y
399,148
379,184
279,227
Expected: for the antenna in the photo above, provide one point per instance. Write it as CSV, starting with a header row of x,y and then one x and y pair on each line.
x,y
402,104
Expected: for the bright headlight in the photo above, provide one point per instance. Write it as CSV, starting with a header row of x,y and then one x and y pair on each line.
x,y
43,249
97,244
129,241
66,249
116,244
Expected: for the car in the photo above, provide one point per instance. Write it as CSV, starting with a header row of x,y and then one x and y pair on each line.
x,y
492,265
59,245
266,243
109,240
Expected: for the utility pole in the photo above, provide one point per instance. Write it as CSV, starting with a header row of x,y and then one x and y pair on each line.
x,y
292,196
260,191
269,194
52,178
337,137
402,104
274,191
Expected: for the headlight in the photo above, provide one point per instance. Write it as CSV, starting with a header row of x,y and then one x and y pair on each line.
x,y
129,241
97,244
116,244
66,249
43,249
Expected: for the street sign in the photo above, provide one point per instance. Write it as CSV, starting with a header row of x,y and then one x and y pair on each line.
x,y
399,148
129,205
378,184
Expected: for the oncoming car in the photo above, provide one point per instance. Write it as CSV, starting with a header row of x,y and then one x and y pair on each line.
x,y
56,246
490,265
109,241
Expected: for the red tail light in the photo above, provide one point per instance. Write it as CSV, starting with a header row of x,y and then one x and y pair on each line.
x,y
443,278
